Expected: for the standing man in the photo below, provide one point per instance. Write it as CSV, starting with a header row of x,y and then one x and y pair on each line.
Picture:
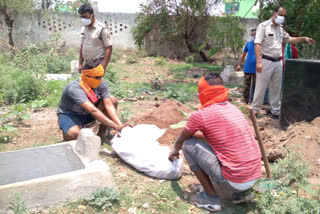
x,y
219,146
96,44
268,50
249,68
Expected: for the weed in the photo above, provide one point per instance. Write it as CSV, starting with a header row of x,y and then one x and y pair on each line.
x,y
189,59
111,75
103,198
24,88
142,54
282,195
181,92
179,73
124,114
132,59
159,60
17,205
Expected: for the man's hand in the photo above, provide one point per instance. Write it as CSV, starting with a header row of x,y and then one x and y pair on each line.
x,y
259,67
80,68
308,40
238,68
174,154
119,128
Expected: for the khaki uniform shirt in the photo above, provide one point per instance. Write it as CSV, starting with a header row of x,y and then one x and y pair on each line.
x,y
270,38
92,46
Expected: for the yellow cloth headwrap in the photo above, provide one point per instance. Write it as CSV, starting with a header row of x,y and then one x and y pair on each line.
x,y
87,83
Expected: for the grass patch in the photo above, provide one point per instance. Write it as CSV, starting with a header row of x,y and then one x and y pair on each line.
x,y
181,92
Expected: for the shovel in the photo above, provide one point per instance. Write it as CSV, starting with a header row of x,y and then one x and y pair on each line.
x,y
263,152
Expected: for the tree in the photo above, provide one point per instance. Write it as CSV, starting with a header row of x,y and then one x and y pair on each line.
x,y
181,21
225,34
302,19
9,9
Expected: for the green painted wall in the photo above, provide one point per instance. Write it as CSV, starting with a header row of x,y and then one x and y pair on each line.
x,y
244,6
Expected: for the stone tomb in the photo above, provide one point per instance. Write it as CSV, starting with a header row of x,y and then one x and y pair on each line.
x,y
50,175
300,91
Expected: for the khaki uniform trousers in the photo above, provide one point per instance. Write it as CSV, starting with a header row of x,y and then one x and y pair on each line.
x,y
271,73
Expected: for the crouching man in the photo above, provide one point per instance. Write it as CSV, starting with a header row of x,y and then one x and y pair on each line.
x,y
84,100
219,146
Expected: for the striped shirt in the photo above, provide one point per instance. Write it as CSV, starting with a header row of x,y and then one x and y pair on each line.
x,y
231,139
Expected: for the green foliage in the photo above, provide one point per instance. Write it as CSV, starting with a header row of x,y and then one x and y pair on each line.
x,y
124,114
111,75
282,195
45,57
291,169
132,59
183,22
25,88
302,19
159,60
103,199
180,92
142,54
226,33
17,206
189,59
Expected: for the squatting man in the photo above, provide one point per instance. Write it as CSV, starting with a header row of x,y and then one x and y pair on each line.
x,y
219,147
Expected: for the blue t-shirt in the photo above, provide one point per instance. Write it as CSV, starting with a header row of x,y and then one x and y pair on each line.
x,y
250,64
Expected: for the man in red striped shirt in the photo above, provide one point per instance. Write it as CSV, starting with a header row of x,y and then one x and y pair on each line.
x,y
219,146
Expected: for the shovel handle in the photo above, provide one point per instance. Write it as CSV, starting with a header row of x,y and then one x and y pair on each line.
x,y
263,152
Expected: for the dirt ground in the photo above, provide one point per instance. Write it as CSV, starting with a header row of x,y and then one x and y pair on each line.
x,y
42,129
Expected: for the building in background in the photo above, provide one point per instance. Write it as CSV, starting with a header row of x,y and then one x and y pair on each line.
x,y
241,8
72,5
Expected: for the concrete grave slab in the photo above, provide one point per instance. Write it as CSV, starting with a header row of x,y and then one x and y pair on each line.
x,y
51,175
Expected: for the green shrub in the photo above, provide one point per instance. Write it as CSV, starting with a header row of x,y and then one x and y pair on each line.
x,y
111,75
103,199
24,89
159,60
189,59
17,205
283,195
142,53
132,59
180,92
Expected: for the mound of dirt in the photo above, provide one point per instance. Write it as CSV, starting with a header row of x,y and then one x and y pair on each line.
x,y
302,136
165,113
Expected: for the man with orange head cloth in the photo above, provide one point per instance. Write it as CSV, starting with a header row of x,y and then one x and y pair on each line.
x,y
84,100
219,146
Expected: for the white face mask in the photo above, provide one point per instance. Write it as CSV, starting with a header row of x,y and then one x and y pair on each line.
x,y
251,38
86,22
279,20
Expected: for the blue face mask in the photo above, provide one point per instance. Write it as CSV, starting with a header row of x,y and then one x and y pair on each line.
x,y
251,38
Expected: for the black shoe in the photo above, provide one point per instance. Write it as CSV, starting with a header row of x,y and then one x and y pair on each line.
x,y
273,116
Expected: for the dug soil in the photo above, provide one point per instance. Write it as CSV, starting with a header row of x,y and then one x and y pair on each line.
x,y
42,129
163,114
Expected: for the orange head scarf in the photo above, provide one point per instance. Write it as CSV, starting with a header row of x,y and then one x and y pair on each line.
x,y
210,94
88,81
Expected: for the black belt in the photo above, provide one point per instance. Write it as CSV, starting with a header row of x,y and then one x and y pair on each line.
x,y
271,59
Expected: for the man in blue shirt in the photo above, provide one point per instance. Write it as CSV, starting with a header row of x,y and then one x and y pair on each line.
x,y
249,67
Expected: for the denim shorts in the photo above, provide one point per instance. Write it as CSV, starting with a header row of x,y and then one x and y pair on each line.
x,y
67,120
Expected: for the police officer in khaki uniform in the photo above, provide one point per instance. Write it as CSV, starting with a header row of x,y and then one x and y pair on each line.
x,y
96,43
268,51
